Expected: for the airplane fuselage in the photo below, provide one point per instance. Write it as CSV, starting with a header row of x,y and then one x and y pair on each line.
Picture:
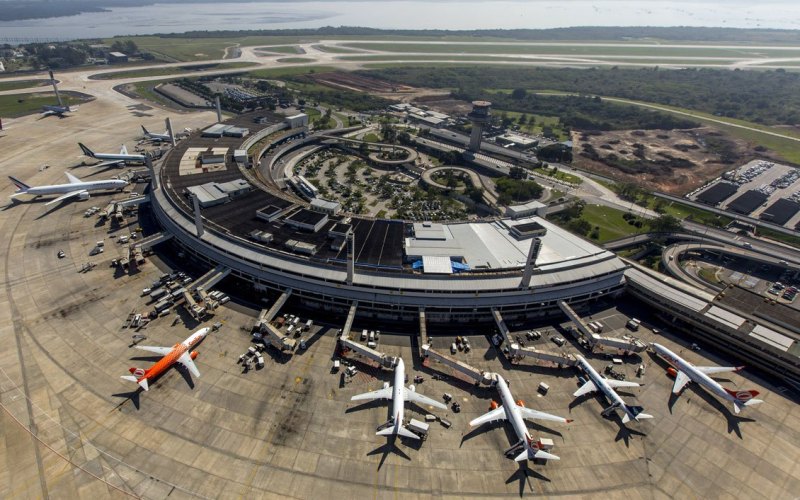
x,y
512,411
68,188
169,359
398,399
120,157
693,373
608,391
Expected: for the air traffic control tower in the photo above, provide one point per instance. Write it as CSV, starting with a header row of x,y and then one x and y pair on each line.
x,y
479,116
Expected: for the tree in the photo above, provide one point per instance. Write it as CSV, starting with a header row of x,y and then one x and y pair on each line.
x,y
523,119
517,173
665,224
518,94
476,194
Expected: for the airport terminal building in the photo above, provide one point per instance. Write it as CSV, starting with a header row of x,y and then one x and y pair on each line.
x,y
457,272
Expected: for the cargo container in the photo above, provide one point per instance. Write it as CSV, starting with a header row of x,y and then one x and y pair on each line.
x,y
419,428
543,388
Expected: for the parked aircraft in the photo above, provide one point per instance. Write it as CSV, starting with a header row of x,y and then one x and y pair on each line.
x,y
156,137
75,187
181,353
59,109
399,394
686,372
606,386
515,412
119,159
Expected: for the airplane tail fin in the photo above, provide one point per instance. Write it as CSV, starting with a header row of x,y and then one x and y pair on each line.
x,y
636,412
399,430
145,130
88,152
530,453
743,398
142,383
21,186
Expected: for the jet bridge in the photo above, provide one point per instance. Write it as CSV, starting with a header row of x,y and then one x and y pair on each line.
x,y
543,358
152,240
597,343
382,359
479,376
132,202
348,324
211,278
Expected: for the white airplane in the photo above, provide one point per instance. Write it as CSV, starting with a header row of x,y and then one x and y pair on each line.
x,y
179,353
515,412
686,372
118,159
75,187
60,109
399,394
156,137
606,386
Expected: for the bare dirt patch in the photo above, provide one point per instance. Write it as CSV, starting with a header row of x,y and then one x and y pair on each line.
x,y
670,161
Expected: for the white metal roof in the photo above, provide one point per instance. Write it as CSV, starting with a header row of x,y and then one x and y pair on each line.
x,y
726,317
771,337
436,265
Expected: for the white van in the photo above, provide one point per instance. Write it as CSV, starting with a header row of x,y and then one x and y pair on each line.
x,y
363,335
290,329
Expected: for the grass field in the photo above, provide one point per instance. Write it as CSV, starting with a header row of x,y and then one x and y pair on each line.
x,y
541,121
577,49
22,84
289,71
609,220
562,176
145,90
136,73
199,49
281,49
15,105
296,60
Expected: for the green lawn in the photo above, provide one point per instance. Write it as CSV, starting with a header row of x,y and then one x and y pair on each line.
x,y
136,73
371,137
562,176
289,71
145,90
576,49
296,60
609,220
281,49
541,121
22,84
14,105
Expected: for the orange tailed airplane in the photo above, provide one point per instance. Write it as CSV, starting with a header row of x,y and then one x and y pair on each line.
x,y
181,353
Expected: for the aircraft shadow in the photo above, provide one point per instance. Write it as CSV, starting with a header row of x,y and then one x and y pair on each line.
x,y
132,396
522,475
375,403
390,446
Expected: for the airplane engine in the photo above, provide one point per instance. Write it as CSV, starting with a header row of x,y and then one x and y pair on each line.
x,y
386,385
412,388
83,195
672,372
194,354
494,405
521,403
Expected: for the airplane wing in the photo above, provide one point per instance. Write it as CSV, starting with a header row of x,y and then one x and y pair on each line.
x,y
422,400
48,113
621,383
585,389
73,179
680,382
540,415
158,350
497,414
65,196
108,163
186,361
379,394
708,370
